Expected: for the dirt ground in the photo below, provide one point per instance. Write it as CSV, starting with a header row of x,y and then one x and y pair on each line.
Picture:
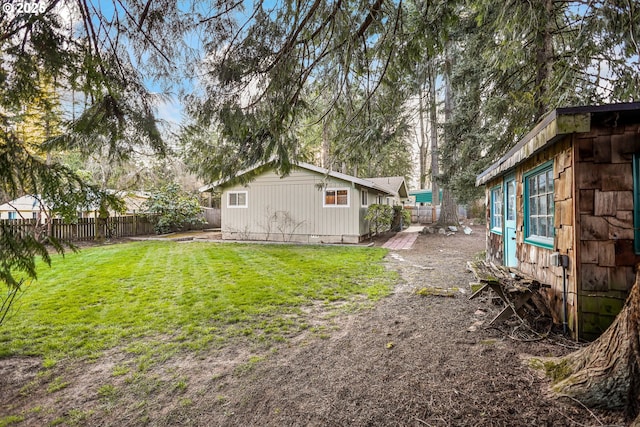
x,y
411,360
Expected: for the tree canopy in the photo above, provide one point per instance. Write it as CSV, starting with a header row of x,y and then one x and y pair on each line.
x,y
515,61
296,65
65,48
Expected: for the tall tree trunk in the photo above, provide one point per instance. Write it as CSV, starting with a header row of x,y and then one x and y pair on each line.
x,y
606,374
449,208
422,142
433,123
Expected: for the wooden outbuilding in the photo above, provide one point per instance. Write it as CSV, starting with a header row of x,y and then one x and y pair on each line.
x,y
563,206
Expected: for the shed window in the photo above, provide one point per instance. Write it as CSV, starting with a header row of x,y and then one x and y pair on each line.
x,y
538,196
496,210
12,215
336,197
636,203
237,199
364,198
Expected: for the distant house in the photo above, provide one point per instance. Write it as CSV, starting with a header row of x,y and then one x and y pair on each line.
x,y
30,207
309,205
570,191
134,203
25,207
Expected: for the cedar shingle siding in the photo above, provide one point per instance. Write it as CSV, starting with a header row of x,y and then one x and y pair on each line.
x,y
593,216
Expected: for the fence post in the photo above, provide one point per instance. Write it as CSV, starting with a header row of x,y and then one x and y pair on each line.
x,y
96,232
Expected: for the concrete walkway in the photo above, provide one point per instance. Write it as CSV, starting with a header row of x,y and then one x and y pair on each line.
x,y
404,239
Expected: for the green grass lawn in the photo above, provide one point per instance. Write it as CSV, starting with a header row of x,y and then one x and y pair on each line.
x,y
157,298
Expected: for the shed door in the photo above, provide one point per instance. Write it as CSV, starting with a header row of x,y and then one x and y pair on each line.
x,y
510,259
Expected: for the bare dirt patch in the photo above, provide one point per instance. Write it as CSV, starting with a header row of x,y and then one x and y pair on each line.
x,y
411,360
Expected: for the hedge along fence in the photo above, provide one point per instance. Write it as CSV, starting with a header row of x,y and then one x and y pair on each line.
x,y
84,228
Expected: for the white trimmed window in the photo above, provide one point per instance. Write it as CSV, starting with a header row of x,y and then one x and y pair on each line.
x,y
13,215
237,199
336,197
364,198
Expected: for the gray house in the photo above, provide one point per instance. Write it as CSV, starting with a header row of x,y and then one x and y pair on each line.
x,y
310,205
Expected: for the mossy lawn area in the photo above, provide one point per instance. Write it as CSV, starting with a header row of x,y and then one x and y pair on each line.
x,y
158,298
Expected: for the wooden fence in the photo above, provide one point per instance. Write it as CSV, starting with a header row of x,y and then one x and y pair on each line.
x,y
83,229
423,214
213,217
429,214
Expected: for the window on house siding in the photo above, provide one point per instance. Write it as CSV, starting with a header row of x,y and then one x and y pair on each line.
x,y
12,215
237,199
539,208
364,197
636,203
336,197
496,209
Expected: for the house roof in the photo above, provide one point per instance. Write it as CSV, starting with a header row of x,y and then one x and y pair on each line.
x,y
134,201
396,184
555,125
387,185
24,203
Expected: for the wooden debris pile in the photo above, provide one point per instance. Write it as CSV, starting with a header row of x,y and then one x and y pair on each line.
x,y
516,292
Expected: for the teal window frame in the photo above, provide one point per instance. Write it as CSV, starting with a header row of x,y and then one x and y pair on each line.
x,y
530,236
497,211
636,203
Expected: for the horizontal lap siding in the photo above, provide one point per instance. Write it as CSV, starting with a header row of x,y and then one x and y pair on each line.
x,y
604,177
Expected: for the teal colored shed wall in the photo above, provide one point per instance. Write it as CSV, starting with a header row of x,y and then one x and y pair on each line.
x,y
424,196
